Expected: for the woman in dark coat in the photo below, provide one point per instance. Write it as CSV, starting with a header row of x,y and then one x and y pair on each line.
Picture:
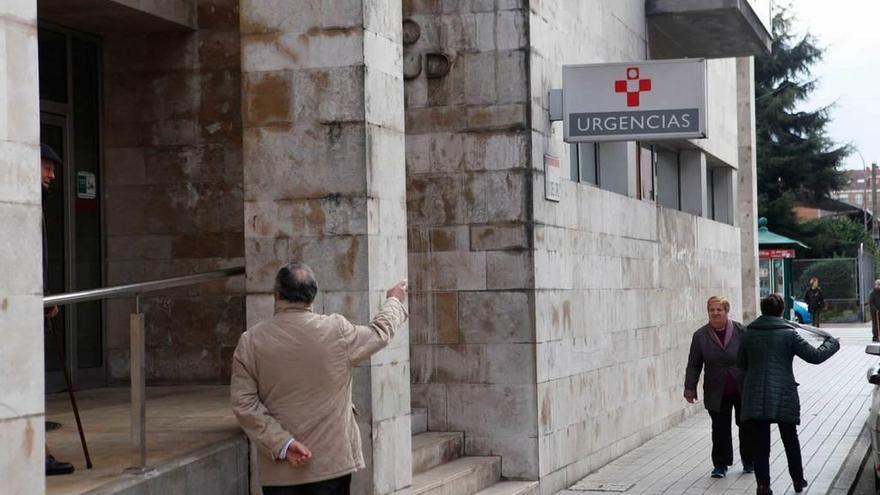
x,y
815,301
714,347
770,392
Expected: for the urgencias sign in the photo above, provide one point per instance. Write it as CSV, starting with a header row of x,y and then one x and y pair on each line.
x,y
662,99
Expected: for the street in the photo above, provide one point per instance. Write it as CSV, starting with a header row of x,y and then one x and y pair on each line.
x,y
835,397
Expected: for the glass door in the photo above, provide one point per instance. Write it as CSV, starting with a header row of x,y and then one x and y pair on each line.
x,y
53,131
73,235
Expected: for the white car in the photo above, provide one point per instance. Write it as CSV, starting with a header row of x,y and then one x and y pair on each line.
x,y
874,415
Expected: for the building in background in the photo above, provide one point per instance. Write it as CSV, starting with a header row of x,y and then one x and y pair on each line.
x,y
376,140
853,201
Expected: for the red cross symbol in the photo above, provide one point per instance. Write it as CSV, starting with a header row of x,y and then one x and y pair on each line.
x,y
633,86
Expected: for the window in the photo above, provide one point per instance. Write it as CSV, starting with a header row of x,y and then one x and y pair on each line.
x,y
719,184
585,163
623,167
668,168
588,158
710,184
646,172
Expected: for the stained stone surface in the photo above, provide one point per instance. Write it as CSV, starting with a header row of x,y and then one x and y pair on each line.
x,y
21,287
324,182
173,191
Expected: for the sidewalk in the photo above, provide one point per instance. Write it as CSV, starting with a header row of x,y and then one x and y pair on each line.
x,y
835,397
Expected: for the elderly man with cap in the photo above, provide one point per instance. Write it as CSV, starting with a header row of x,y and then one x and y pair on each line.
x,y
48,161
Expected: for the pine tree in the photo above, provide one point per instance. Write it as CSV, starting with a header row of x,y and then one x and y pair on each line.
x,y
797,161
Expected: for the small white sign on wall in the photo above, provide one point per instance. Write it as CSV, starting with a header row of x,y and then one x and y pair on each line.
x,y
552,178
86,185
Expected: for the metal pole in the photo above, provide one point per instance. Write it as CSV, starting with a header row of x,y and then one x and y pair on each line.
x,y
865,196
863,283
864,189
874,201
138,392
79,427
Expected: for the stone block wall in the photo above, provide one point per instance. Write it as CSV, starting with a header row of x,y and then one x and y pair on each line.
x,y
620,283
469,227
21,288
173,191
324,182
721,107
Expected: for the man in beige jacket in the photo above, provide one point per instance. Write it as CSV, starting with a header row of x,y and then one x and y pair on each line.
x,y
291,386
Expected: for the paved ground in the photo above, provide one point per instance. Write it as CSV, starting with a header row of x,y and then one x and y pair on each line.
x,y
179,420
835,397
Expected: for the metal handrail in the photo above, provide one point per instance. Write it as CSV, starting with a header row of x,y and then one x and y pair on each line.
x,y
140,287
137,357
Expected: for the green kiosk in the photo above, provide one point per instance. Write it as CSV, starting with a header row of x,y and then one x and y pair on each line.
x,y
775,253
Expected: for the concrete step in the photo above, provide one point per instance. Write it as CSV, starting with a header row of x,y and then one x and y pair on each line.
x,y
434,448
419,420
465,476
512,488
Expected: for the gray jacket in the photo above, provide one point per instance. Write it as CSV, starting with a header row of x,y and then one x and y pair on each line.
x,y
706,352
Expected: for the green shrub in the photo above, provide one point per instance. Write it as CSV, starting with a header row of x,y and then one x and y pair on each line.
x,y
837,278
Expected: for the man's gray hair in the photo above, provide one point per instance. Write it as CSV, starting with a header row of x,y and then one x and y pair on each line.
x,y
295,282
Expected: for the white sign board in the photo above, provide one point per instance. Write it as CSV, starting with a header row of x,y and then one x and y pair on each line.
x,y
552,178
86,185
658,99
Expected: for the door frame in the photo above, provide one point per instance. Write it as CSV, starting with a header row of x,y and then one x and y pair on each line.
x,y
62,114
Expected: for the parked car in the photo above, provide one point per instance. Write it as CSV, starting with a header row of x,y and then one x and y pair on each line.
x,y
801,313
873,421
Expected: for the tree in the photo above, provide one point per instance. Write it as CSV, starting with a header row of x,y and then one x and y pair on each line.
x,y
796,158
833,237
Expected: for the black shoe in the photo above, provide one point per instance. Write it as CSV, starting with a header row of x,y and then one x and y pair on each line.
x,y
764,490
719,472
799,485
54,467
748,467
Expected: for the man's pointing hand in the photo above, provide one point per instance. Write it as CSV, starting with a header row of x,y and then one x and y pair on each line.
x,y
398,291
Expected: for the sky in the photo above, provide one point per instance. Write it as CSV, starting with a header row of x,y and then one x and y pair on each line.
x,y
850,72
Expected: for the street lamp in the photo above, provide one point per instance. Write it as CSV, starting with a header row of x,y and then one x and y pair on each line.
x,y
864,189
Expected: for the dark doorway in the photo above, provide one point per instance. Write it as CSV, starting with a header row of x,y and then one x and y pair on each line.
x,y
70,96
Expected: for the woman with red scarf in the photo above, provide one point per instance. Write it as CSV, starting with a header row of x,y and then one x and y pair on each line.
x,y
714,348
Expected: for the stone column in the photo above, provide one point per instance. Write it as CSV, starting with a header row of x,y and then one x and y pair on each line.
x,y
747,190
21,287
324,182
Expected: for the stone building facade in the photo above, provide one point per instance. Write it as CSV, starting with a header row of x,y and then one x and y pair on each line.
x,y
377,140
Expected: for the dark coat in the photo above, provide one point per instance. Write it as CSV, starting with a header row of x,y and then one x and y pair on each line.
x,y
874,300
718,361
765,354
815,299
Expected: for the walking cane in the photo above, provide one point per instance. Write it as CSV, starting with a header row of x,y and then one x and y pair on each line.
x,y
82,436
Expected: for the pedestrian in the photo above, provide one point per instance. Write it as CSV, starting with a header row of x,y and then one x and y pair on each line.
x,y
874,305
48,160
770,391
714,348
815,301
291,386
